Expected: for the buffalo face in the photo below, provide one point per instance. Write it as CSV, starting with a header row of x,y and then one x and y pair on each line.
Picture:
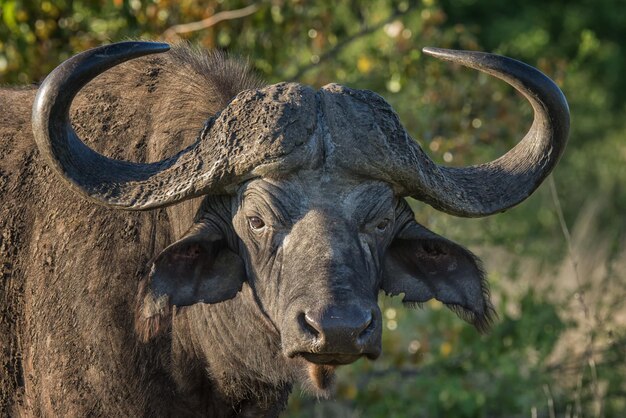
x,y
316,250
313,247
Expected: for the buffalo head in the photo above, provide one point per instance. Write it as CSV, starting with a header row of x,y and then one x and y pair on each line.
x,y
304,203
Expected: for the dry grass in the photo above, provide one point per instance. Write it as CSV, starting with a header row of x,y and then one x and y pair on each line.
x,y
589,287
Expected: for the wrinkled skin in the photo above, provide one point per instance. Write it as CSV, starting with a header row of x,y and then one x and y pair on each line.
x,y
105,310
348,237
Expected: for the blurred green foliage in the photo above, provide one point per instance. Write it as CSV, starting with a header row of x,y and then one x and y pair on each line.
x,y
435,365
463,365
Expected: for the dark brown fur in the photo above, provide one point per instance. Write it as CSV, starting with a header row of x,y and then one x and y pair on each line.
x,y
70,269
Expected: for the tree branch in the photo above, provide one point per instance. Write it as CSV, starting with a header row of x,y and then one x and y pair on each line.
x,y
173,32
366,30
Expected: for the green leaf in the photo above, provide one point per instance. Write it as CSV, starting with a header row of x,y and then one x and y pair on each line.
x,y
8,15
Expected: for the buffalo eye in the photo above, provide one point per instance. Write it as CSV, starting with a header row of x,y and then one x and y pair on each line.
x,y
382,225
255,223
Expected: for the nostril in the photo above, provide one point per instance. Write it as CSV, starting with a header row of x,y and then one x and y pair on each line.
x,y
368,325
308,324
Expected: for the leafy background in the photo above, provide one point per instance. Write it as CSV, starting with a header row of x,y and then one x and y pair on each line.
x,y
557,262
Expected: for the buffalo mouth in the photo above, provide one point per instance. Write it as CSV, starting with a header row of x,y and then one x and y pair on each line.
x,y
333,359
321,367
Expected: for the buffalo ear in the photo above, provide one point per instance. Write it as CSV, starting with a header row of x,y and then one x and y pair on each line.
x,y
197,268
424,265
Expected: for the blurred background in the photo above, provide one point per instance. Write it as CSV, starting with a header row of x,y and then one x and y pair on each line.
x,y
556,263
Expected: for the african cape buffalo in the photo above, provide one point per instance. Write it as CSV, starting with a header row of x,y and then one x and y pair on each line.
x,y
249,260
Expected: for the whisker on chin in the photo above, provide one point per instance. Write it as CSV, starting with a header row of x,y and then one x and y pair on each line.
x,y
322,375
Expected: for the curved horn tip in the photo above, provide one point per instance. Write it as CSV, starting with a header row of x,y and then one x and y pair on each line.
x,y
136,48
154,46
432,51
455,55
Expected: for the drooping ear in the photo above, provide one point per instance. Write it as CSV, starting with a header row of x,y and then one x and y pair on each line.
x,y
424,265
197,268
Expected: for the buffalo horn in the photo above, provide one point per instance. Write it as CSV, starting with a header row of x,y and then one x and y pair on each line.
x,y
110,182
484,189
